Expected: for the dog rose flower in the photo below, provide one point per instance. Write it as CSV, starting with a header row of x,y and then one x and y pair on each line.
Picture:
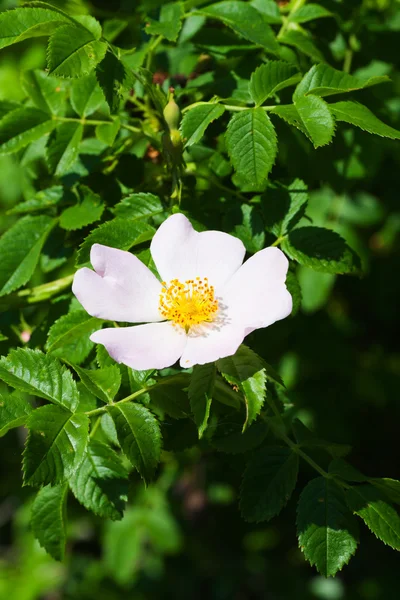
x,y
205,305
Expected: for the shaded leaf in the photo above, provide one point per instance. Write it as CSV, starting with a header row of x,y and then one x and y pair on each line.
x,y
48,519
63,147
360,116
23,23
86,95
113,77
89,210
138,206
48,93
200,392
74,51
271,77
302,42
316,119
103,383
68,337
14,412
22,126
309,13
170,22
196,121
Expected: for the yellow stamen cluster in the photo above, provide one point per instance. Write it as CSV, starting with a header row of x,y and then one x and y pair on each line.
x,y
189,303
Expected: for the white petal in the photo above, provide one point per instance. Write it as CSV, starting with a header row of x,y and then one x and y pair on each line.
x,y
121,288
180,252
151,346
211,344
256,295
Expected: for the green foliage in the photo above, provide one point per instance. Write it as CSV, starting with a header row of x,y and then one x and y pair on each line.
x,y
246,371
316,119
309,12
138,206
63,147
86,95
22,126
20,249
69,336
14,411
139,435
23,23
100,481
252,145
360,116
49,519
200,394
196,121
55,446
271,77
102,383
87,211
170,22
327,531
268,483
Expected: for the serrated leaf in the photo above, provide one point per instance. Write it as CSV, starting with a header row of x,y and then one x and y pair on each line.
x,y
100,482
251,229
68,337
42,200
341,468
170,22
196,121
23,23
48,93
74,51
113,77
86,95
309,13
360,116
324,80
244,20
55,446
302,42
316,119
270,10
107,132
230,438
138,206
48,519
252,144
14,411
40,375
87,211
200,392
63,147
103,383
283,206
118,233
322,250
7,106
246,371
294,289
22,126
389,487
327,531
139,435
271,77
290,115
20,249
367,502
268,482
305,438
170,398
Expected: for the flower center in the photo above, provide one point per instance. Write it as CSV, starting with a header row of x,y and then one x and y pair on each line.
x,y
189,303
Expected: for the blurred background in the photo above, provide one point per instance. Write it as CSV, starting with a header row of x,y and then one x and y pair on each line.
x,y
183,537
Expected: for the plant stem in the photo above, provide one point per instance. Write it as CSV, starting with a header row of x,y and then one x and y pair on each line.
x,y
296,4
95,427
81,121
38,293
154,44
229,107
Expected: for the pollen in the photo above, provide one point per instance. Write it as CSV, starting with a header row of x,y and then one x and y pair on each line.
x,y
190,303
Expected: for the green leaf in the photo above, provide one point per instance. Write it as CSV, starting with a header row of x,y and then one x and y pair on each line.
x,y
230,438
41,201
170,398
360,116
40,375
100,482
327,531
290,115
252,144
139,435
56,444
118,233
367,502
103,383
74,51
107,132
324,80
389,487
302,42
309,13
123,543
170,22
244,20
306,439
48,93
271,77
20,249
246,371
200,394
14,412
138,206
87,211
7,106
114,77
86,95
48,519
196,121
316,119
22,126
340,468
251,228
270,10
283,206
294,289
268,482
322,250
23,23
63,147
68,337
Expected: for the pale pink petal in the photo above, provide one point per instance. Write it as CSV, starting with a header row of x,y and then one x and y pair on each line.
x,y
180,252
256,295
150,346
121,288
211,343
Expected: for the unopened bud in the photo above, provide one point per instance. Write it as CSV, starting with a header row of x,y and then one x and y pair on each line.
x,y
175,136
172,114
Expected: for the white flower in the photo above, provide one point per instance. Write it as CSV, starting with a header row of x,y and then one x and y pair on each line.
x,y
206,304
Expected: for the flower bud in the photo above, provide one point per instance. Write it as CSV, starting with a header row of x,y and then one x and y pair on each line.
x,y
172,114
175,136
